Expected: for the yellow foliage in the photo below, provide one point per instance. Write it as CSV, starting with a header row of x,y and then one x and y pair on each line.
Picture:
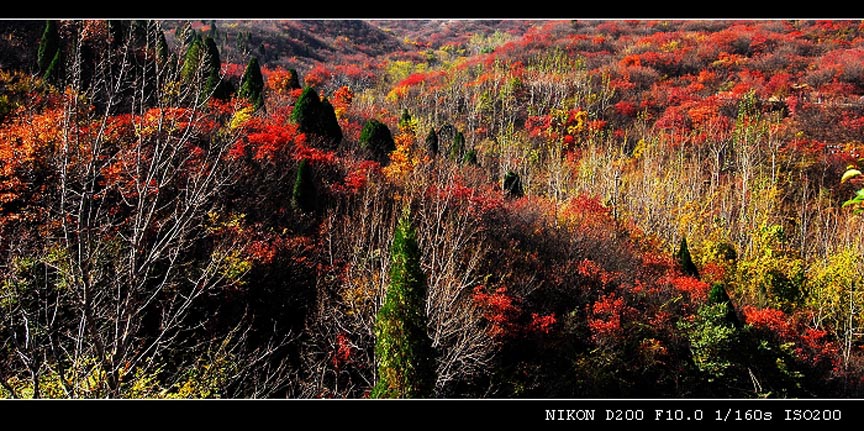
x,y
401,161
834,288
240,117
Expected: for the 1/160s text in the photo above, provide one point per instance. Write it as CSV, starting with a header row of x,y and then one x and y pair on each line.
x,y
722,415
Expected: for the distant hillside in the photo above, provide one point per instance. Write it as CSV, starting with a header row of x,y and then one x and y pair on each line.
x,y
295,43
437,33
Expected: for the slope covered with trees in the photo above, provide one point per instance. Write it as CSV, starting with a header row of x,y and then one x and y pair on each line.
x,y
431,209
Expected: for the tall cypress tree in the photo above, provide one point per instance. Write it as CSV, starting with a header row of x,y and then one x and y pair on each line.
x,y
685,260
513,184
303,192
48,54
192,59
293,82
306,110
432,142
316,117
376,139
252,84
329,124
403,350
213,83
457,147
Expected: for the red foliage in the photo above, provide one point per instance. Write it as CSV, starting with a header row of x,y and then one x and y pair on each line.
x,y
771,319
506,316
318,76
625,108
499,309
542,324
311,154
357,177
696,289
605,318
344,353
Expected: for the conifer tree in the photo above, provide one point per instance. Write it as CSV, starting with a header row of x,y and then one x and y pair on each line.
x,y
328,123
513,185
213,71
685,260
376,139
316,117
48,54
718,295
432,142
293,82
457,147
303,192
192,59
403,350
306,110
252,84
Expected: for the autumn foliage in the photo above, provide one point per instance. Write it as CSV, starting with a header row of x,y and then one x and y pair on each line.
x,y
511,209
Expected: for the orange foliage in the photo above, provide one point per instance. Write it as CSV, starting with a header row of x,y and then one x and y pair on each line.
x,y
341,101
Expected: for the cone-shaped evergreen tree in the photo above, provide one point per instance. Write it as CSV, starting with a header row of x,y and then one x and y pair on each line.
x,y
306,110
252,84
513,185
316,117
685,260
293,81
48,54
403,350
162,51
376,140
328,124
718,295
213,83
432,142
470,157
457,148
192,59
303,192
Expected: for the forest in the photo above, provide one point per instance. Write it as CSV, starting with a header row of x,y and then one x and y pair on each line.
x,y
431,209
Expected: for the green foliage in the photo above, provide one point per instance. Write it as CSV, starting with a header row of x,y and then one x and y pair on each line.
x,y
736,360
714,343
252,84
48,55
303,191
192,59
406,123
470,157
376,140
457,147
513,184
685,260
306,110
718,295
317,118
329,124
403,350
213,83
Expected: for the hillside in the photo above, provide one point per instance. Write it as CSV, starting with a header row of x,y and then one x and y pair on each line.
x,y
439,208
